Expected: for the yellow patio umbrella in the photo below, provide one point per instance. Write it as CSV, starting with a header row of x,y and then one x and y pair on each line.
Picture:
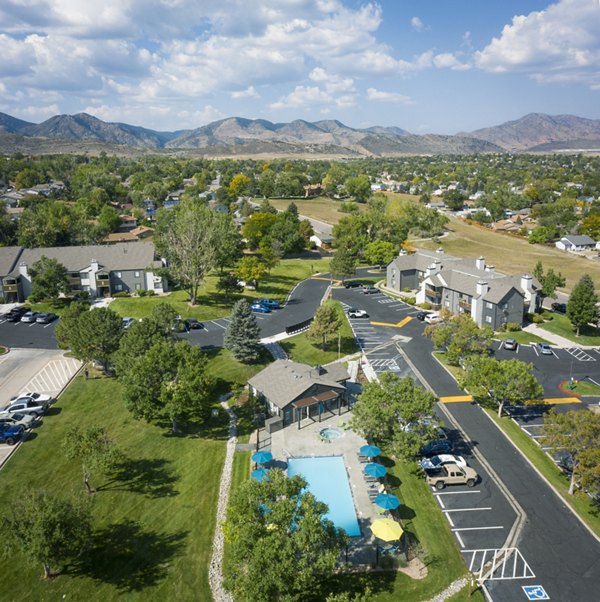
x,y
386,529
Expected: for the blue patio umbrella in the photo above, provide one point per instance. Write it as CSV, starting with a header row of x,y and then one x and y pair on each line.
x,y
375,470
370,450
387,501
260,474
262,457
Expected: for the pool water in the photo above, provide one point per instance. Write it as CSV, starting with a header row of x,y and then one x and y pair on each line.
x,y
330,433
328,482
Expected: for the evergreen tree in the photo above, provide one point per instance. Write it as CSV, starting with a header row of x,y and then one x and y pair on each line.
x,y
343,263
242,336
549,280
581,308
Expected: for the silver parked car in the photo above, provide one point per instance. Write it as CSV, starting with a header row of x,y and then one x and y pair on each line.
x,y
25,420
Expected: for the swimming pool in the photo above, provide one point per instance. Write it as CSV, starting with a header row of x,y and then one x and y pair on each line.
x,y
328,482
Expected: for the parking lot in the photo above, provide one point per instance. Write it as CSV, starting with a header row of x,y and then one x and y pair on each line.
x,y
28,336
40,370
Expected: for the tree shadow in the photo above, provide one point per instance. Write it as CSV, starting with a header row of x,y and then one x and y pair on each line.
x,y
151,477
131,559
356,584
53,411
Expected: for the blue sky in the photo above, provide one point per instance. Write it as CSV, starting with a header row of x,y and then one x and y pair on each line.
x,y
439,66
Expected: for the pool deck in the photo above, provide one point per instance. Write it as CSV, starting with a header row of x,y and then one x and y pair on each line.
x,y
291,442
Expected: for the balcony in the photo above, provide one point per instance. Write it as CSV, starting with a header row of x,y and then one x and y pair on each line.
x,y
429,292
464,304
9,288
102,283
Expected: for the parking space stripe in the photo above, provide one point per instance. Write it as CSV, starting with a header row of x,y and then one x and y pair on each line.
x,y
460,541
455,492
467,509
478,528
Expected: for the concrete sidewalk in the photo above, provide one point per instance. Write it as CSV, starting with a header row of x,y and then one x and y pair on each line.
x,y
555,339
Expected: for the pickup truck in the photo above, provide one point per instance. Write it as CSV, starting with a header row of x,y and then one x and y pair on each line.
x,y
452,474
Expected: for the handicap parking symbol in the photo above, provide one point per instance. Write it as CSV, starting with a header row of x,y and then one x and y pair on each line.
x,y
535,592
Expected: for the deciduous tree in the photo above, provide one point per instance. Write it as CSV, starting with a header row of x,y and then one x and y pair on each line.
x,y
94,448
577,433
549,280
48,279
343,263
387,409
282,545
186,236
380,252
581,307
505,382
47,530
242,336
325,324
251,269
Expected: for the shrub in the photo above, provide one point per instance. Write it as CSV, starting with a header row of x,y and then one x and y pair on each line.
x,y
537,319
121,294
150,293
141,292
513,326
406,289
425,305
410,300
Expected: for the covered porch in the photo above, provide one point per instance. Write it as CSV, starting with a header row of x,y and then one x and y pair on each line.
x,y
315,408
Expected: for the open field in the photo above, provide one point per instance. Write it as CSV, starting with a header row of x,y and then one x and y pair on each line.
x,y
212,305
511,255
153,519
319,208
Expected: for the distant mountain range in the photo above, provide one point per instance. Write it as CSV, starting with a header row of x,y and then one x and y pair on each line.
x,y
236,136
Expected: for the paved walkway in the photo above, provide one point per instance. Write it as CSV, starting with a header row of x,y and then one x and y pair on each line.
x,y
555,339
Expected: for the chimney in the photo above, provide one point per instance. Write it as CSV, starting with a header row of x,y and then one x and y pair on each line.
x,y
489,268
23,269
526,282
439,250
94,265
482,288
480,263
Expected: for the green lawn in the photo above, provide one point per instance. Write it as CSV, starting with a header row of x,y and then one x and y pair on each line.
x,y
57,307
561,325
301,350
320,208
153,521
212,305
521,336
580,502
584,387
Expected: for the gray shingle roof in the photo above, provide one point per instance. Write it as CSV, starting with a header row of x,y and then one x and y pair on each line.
x,y
580,240
8,259
120,256
284,380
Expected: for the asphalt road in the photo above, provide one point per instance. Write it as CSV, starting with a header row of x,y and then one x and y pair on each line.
x,y
28,336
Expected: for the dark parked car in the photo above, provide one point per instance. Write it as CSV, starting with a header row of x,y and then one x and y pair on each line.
x,y
15,314
561,308
45,318
436,447
352,284
10,433
510,345
270,303
370,290
193,324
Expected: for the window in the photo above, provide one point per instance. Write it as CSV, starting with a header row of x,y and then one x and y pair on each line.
x,y
137,274
488,305
138,287
118,287
118,274
488,319
447,303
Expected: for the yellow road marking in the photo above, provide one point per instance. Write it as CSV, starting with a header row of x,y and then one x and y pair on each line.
x,y
396,325
335,282
456,398
557,400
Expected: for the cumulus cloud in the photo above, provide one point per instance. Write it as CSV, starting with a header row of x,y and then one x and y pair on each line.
x,y
381,96
417,24
302,97
447,60
560,43
249,92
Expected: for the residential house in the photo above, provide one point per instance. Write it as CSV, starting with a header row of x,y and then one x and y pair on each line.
x,y
101,270
322,240
138,233
312,190
294,392
465,286
128,222
576,244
